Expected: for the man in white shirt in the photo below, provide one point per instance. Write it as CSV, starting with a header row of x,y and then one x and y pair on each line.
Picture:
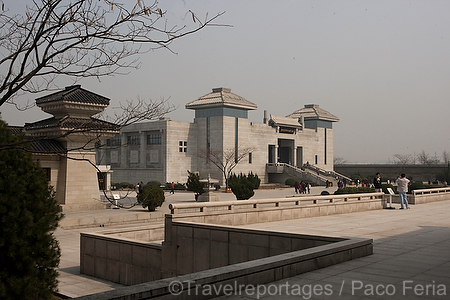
x,y
402,189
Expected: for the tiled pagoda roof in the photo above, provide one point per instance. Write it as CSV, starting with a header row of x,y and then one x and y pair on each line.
x,y
221,97
74,94
313,112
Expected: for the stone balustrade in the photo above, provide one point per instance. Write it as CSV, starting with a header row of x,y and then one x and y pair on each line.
x,y
429,195
431,191
177,208
253,211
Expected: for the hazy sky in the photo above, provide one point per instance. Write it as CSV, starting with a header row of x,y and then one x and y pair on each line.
x,y
382,67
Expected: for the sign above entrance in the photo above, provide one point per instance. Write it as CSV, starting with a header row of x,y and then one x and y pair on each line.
x,y
286,130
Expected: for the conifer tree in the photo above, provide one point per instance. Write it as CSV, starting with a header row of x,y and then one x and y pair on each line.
x,y
29,214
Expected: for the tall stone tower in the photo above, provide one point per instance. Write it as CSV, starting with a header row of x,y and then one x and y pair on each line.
x,y
73,127
220,117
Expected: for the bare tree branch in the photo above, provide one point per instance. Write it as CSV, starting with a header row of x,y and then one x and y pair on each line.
x,y
226,160
426,159
81,38
446,157
403,159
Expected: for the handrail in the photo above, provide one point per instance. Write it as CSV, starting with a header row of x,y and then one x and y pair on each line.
x,y
321,177
276,202
431,191
326,172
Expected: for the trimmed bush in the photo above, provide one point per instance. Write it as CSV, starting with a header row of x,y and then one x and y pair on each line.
x,y
254,179
153,183
416,185
241,187
290,182
354,190
193,184
151,197
176,186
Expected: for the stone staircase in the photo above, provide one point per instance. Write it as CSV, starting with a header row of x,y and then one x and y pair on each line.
x,y
308,173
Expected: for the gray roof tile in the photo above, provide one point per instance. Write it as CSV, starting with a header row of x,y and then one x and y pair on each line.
x,y
74,94
284,121
221,97
313,112
72,124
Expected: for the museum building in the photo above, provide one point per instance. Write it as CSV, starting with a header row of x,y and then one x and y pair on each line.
x,y
164,150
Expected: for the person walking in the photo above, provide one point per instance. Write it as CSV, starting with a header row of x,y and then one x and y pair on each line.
x,y
377,183
141,187
136,188
402,189
172,188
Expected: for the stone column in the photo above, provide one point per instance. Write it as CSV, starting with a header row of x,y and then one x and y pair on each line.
x,y
123,151
276,153
143,150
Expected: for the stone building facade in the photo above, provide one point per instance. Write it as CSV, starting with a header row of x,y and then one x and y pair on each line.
x,y
64,145
164,150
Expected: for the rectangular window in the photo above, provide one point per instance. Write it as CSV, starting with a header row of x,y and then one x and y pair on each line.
x,y
134,140
315,159
48,172
250,158
154,139
114,141
182,146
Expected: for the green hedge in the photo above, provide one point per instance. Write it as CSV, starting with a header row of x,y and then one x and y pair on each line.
x,y
290,182
354,190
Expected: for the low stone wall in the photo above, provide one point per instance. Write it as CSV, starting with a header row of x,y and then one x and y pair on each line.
x,y
129,256
194,247
424,196
244,212
273,256
105,218
110,255
430,195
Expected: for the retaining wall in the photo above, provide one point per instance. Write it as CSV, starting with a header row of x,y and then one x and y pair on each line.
x,y
200,245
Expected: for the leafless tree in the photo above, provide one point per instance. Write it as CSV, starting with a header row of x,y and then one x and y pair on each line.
x,y
226,160
85,38
426,159
446,157
403,159
79,39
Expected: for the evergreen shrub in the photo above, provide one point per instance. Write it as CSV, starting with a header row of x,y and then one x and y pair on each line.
x,y
290,182
241,187
193,184
29,214
151,197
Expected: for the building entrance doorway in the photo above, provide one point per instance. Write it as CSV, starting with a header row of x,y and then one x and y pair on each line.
x,y
286,151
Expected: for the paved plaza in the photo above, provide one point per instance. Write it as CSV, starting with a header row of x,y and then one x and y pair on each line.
x,y
411,257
